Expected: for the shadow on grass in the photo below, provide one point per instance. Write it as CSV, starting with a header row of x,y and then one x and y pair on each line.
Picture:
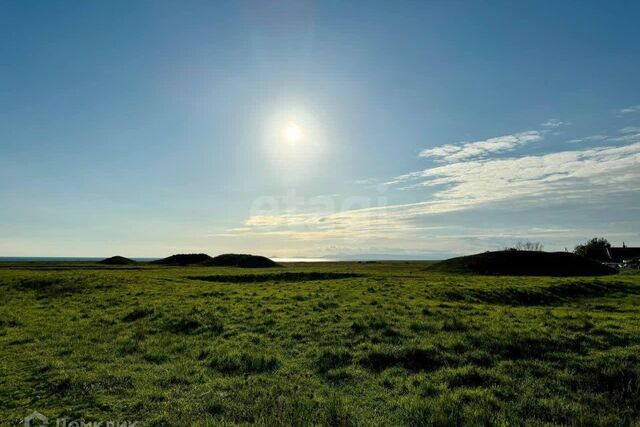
x,y
410,358
53,287
280,277
242,362
554,294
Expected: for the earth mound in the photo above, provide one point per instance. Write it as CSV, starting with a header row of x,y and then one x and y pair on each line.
x,y
523,263
243,261
184,259
117,260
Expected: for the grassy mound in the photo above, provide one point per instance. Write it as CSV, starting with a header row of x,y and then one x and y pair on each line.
x,y
185,259
523,263
242,260
117,260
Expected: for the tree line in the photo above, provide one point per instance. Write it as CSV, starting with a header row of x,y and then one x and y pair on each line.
x,y
596,248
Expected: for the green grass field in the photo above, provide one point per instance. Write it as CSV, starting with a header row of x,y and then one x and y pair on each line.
x,y
317,344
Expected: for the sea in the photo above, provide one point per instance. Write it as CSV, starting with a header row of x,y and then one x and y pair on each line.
x,y
61,259
95,259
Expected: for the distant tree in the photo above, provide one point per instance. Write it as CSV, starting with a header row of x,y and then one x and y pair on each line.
x,y
595,249
528,246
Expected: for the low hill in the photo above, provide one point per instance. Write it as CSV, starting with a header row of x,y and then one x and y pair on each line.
x,y
243,261
523,263
184,259
117,260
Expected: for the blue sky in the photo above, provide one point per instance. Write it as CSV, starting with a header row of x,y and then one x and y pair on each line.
x,y
427,129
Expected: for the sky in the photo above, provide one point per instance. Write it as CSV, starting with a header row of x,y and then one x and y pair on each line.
x,y
348,130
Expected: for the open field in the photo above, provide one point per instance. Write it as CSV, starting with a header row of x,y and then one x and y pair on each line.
x,y
317,344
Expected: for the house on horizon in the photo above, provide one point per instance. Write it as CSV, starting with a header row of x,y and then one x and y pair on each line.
x,y
624,254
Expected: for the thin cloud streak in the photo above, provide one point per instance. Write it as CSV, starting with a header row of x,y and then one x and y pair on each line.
x,y
630,110
630,129
555,177
451,153
554,123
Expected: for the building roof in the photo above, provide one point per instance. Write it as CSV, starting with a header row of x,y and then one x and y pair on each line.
x,y
623,254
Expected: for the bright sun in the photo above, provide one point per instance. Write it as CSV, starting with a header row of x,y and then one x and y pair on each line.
x,y
293,133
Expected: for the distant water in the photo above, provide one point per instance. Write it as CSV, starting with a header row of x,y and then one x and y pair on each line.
x,y
60,259
92,259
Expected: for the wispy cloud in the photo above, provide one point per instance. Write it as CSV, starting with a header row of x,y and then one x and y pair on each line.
x,y
630,129
554,123
462,151
595,138
608,169
590,138
628,137
470,178
555,177
629,110
629,134
365,181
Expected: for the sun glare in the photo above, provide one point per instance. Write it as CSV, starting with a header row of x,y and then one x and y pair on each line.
x,y
293,133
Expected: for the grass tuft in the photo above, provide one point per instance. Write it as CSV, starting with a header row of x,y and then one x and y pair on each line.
x,y
243,362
